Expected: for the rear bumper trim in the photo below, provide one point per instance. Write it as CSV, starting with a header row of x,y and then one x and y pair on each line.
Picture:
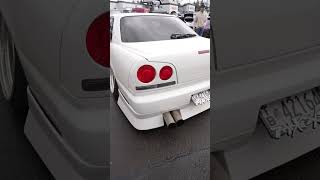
x,y
155,86
62,162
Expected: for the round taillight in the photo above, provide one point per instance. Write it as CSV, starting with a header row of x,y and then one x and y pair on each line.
x,y
98,40
146,73
166,73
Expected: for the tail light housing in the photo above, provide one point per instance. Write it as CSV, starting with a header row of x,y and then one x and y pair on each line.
x,y
98,40
165,73
152,76
146,73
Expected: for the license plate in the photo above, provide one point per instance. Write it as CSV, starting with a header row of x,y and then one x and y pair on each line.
x,y
201,98
293,114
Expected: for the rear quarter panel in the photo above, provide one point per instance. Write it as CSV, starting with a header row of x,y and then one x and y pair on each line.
x,y
282,40
122,62
76,64
54,66
36,27
122,59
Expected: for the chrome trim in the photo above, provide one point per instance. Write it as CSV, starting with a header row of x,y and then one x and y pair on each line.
x,y
138,88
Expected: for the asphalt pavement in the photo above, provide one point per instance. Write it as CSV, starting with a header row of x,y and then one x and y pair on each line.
x,y
18,159
306,167
181,153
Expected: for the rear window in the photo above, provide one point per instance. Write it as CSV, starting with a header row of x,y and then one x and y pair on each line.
x,y
151,28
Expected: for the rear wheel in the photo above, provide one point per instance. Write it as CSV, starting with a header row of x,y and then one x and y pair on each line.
x,y
114,86
12,80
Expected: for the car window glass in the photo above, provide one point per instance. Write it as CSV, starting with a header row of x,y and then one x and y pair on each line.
x,y
151,28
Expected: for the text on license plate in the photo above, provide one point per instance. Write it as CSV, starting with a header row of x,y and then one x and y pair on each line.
x,y
292,114
201,98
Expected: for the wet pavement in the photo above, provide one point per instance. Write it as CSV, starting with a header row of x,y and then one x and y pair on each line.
x,y
181,153
18,159
164,154
305,167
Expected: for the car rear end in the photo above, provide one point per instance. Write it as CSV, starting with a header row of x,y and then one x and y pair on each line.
x,y
177,76
171,73
189,18
266,61
68,119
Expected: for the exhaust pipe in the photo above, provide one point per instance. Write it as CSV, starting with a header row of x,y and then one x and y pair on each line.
x,y
177,117
168,119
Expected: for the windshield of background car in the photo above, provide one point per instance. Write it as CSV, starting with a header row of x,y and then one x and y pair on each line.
x,y
151,28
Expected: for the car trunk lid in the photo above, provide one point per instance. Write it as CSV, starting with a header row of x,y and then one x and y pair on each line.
x,y
191,56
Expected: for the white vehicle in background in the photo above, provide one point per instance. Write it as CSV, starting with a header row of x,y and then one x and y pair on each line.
x,y
127,10
115,11
189,21
160,69
188,18
169,8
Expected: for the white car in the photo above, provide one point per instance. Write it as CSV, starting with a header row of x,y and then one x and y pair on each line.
x,y
160,69
189,21
54,65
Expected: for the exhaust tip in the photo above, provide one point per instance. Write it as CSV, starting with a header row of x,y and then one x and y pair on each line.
x,y
168,119
180,122
172,125
177,117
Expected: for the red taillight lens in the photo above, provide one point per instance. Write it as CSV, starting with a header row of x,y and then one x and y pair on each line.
x,y
146,73
166,73
98,40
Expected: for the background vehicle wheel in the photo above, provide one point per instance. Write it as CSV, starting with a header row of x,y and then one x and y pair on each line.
x,y
114,86
12,80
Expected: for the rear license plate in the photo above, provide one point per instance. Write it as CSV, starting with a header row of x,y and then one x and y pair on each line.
x,y
201,98
292,114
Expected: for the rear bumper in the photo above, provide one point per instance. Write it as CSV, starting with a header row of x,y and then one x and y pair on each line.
x,y
240,92
61,160
237,136
145,112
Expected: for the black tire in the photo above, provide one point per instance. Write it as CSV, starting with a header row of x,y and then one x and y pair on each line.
x,y
19,100
115,93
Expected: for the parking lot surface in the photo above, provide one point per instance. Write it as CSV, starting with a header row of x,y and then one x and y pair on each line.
x,y
305,167
181,153
173,154
18,159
